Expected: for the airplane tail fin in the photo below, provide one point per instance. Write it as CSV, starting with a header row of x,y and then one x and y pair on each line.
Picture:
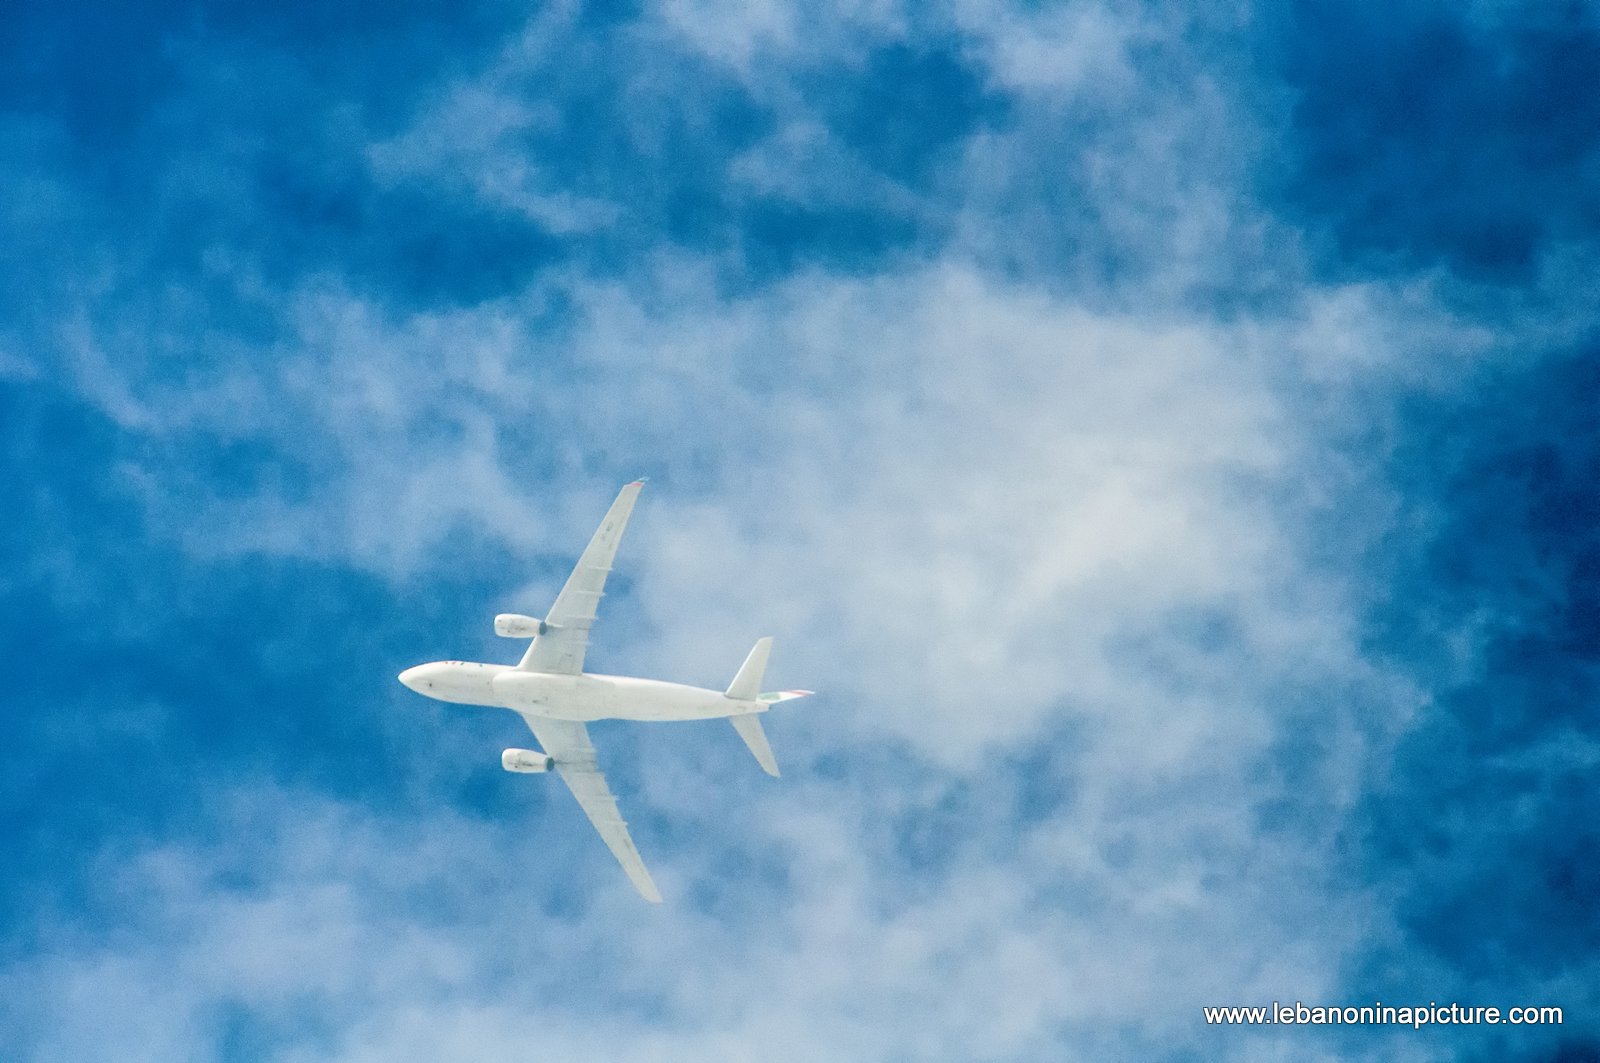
x,y
746,686
749,728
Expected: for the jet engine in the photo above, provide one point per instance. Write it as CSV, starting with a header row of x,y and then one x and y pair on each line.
x,y
517,626
526,760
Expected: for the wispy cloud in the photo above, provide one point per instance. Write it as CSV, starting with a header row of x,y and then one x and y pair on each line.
x,y
1060,456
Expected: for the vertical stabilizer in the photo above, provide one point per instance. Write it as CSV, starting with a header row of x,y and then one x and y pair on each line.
x,y
749,728
746,686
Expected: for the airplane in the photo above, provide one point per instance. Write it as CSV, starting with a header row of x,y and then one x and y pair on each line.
x,y
557,699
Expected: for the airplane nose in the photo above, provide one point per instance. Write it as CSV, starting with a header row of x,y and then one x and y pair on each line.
x,y
411,677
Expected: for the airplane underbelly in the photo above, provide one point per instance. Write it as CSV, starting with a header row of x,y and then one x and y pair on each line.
x,y
557,697
644,699
564,711
582,698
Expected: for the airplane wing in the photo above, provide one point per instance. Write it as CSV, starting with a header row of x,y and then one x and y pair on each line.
x,y
567,743
561,649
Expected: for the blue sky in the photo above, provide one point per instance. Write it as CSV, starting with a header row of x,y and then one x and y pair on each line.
x,y
1165,433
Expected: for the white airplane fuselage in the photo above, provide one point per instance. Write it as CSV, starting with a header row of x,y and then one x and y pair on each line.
x,y
580,698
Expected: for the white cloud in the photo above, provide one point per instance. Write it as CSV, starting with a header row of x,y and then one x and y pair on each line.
x,y
1058,50
473,140
354,947
988,518
975,514
754,38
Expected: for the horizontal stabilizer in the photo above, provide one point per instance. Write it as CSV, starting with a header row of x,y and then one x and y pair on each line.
x,y
785,695
749,728
746,686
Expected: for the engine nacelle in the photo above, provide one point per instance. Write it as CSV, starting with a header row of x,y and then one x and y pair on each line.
x,y
517,626
526,761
